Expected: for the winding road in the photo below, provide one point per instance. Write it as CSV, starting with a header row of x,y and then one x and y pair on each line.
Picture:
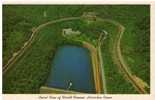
x,y
120,60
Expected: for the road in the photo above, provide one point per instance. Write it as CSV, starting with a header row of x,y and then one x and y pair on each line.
x,y
124,66
120,60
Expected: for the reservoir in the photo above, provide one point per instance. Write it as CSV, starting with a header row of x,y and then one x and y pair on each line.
x,y
71,69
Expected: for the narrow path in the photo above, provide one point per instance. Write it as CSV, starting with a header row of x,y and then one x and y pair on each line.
x,y
101,38
95,65
102,70
28,43
123,64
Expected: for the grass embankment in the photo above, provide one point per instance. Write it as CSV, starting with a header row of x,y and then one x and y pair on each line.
x,y
95,65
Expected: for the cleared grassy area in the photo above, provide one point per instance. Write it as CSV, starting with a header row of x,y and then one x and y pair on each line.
x,y
31,71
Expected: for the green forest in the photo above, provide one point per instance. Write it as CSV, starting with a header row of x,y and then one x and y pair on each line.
x,y
30,72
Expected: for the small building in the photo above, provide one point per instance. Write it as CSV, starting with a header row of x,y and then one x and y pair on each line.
x,y
69,31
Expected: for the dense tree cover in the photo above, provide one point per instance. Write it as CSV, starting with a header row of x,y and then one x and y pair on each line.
x,y
31,71
16,30
143,48
136,47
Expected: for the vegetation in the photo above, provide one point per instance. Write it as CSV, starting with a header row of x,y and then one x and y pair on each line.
x,y
136,46
31,71
14,26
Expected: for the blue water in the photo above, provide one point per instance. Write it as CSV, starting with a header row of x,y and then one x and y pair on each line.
x,y
71,69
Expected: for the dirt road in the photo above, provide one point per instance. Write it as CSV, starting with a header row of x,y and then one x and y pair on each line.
x,y
121,63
